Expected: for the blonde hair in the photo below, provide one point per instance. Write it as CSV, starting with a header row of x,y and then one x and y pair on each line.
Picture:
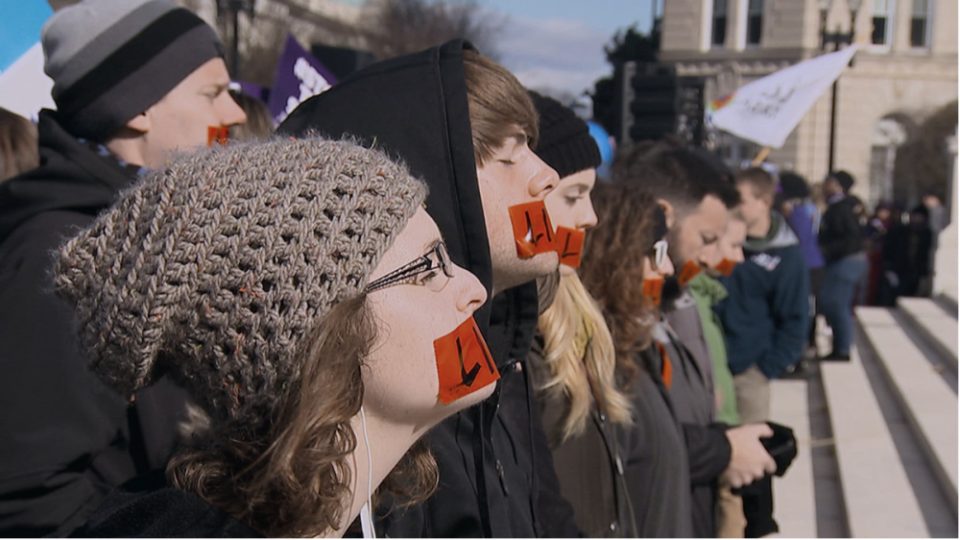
x,y
579,352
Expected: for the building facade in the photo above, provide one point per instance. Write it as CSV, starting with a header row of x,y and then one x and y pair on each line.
x,y
906,70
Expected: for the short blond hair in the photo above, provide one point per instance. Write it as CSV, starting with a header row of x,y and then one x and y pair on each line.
x,y
498,103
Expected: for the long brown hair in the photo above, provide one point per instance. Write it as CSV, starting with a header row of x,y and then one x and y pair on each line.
x,y
612,268
19,151
294,479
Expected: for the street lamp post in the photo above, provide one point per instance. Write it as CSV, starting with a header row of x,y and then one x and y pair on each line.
x,y
837,38
231,9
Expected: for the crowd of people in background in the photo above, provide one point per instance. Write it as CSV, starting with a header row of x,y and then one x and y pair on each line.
x,y
413,309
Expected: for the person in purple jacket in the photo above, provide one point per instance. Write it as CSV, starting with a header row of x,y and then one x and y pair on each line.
x,y
803,216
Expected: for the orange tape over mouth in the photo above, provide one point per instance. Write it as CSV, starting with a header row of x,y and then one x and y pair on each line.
x,y
688,272
217,135
464,363
653,290
570,246
532,229
726,267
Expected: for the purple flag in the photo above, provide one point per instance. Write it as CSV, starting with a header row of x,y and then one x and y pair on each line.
x,y
299,76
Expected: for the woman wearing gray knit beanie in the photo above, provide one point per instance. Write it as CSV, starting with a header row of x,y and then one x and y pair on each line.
x,y
302,296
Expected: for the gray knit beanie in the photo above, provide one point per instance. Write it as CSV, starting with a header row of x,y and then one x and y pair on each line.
x,y
110,60
215,269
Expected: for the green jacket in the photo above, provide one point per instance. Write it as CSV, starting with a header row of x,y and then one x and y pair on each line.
x,y
707,292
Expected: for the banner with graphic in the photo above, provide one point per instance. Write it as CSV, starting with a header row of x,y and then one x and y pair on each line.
x,y
765,111
299,76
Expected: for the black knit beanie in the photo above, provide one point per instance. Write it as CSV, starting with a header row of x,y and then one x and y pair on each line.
x,y
793,186
844,178
565,142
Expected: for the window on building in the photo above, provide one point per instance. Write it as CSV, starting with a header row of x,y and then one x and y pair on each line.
x,y
718,30
919,24
754,22
882,22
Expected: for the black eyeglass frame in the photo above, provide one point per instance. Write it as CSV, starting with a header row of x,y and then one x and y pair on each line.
x,y
414,268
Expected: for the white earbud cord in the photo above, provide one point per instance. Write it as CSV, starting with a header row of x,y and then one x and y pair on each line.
x,y
366,517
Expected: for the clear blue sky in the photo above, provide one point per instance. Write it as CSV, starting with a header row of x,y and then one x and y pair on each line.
x,y
20,23
558,44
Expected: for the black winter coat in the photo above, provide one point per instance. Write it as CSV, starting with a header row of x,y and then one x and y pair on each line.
x,y
147,508
657,467
493,458
840,234
65,439
590,465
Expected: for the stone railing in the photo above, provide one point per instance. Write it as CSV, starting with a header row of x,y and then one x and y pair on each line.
x,y
945,277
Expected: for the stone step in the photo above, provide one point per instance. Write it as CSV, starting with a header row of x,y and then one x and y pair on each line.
x,y
795,507
937,327
928,403
878,496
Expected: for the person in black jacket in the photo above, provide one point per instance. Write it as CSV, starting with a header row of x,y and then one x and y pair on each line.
x,y
906,255
466,126
122,107
841,243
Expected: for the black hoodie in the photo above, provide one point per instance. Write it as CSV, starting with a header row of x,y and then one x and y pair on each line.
x,y
65,439
494,460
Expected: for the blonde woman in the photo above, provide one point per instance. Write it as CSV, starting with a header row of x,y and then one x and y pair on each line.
x,y
573,361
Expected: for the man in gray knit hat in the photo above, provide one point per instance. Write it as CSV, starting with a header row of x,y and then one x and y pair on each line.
x,y
135,81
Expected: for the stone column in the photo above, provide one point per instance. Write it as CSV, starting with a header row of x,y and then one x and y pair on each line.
x,y
945,276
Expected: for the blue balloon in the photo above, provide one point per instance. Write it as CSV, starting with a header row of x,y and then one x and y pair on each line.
x,y
603,141
607,151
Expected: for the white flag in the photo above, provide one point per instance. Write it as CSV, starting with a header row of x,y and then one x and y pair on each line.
x,y
766,110
24,87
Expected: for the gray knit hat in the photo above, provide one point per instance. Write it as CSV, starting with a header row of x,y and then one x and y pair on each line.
x,y
110,60
215,269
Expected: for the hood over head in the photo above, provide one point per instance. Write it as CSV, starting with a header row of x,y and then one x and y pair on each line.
x,y
414,108
72,176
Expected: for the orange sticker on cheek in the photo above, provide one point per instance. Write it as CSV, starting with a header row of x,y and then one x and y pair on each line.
x,y
532,229
464,363
569,246
689,271
726,267
653,290
217,135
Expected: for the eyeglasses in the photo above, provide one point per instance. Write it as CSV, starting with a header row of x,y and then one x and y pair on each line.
x,y
658,253
437,259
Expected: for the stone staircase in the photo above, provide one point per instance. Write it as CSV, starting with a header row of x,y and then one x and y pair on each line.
x,y
878,435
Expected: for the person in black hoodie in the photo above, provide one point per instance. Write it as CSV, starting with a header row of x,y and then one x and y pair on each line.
x,y
841,243
122,107
465,125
